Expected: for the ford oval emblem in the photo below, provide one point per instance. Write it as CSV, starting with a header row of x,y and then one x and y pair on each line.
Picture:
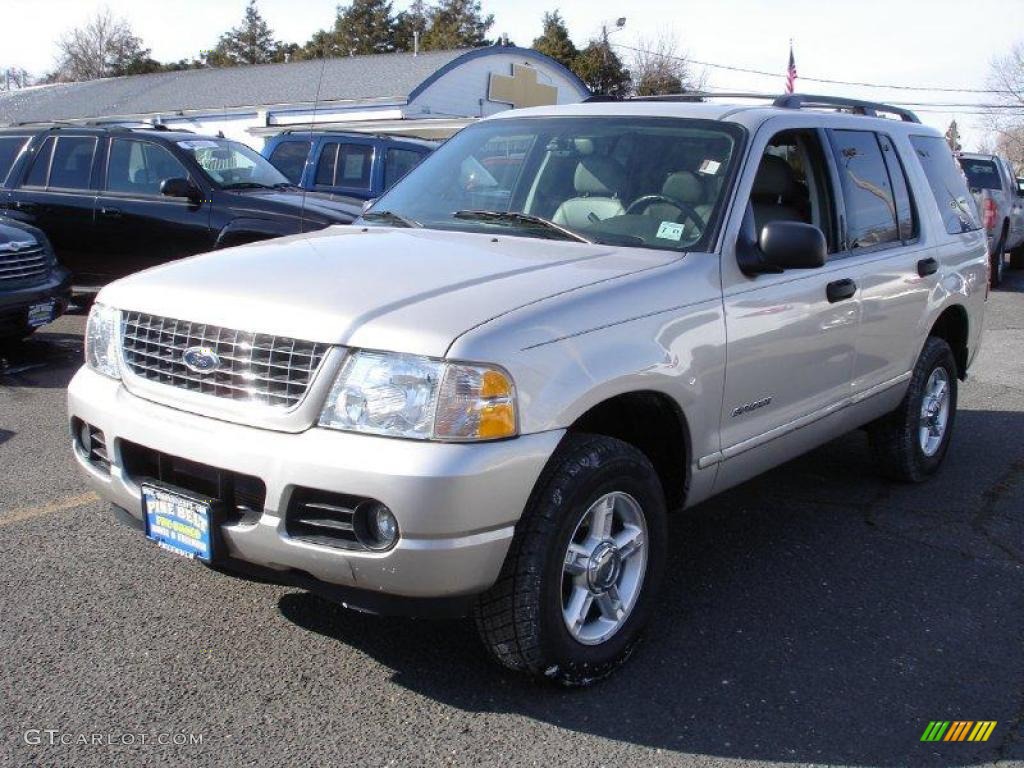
x,y
200,359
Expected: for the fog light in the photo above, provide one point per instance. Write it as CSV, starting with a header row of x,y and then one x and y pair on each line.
x,y
85,438
375,526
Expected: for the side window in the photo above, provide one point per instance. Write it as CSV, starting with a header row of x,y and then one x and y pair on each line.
x,y
289,157
41,164
10,148
906,217
139,168
792,184
71,167
355,162
867,192
326,164
398,162
949,188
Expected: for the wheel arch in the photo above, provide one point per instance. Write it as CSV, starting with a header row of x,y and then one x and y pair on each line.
x,y
652,422
953,326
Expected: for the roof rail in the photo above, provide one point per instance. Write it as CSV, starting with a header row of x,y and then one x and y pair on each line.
x,y
856,106
788,101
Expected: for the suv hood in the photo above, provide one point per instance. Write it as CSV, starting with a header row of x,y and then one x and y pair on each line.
x,y
334,207
404,290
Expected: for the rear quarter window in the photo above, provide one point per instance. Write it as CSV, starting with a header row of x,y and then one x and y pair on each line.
x,y
948,185
10,148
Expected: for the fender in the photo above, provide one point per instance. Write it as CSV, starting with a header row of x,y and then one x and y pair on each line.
x,y
248,230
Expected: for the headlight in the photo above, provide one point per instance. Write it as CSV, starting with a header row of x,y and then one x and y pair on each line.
x,y
101,343
417,397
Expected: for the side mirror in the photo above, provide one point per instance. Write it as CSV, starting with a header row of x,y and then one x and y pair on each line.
x,y
177,187
368,204
793,245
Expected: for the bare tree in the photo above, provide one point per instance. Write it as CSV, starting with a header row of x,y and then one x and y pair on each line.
x,y
13,78
661,67
105,47
1005,119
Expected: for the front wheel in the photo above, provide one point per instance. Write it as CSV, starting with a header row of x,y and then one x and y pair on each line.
x,y
578,584
910,443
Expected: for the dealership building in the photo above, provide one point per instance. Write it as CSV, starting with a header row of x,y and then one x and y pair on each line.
x,y
429,95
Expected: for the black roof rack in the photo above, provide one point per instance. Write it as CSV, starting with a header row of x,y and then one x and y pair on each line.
x,y
787,101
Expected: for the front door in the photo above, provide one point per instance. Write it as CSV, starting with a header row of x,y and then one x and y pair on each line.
x,y
791,336
136,226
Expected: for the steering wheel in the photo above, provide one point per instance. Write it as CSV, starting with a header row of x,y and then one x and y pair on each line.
x,y
687,211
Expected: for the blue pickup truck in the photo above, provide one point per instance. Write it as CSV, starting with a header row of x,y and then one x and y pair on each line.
x,y
352,164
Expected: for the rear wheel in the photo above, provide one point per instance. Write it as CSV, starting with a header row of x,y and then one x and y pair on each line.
x,y
999,258
579,581
910,443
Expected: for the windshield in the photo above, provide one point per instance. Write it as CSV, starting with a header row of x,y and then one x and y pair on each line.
x,y
646,182
233,165
981,174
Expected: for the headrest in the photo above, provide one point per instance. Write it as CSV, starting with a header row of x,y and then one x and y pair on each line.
x,y
596,175
774,177
584,146
684,186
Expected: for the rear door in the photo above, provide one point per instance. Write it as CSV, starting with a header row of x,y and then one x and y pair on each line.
x,y
136,226
893,264
57,193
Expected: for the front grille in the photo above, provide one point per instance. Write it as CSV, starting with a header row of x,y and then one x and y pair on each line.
x,y
243,495
23,265
254,367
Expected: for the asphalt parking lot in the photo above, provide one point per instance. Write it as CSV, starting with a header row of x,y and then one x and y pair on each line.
x,y
814,615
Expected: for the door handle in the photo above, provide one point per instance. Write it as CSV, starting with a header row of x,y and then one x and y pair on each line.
x,y
112,213
840,290
927,267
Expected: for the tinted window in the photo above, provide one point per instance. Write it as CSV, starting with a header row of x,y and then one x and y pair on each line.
x,y
949,188
870,204
40,165
905,215
981,174
399,162
138,167
10,148
289,157
355,161
72,162
326,164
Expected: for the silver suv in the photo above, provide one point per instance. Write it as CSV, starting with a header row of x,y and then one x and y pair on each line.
x,y
486,396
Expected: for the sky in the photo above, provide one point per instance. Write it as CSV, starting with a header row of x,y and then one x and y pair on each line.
x,y
936,43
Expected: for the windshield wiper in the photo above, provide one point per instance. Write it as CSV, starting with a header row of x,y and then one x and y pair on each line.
x,y
246,185
522,218
391,216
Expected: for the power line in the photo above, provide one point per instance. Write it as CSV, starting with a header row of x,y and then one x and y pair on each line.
x,y
761,72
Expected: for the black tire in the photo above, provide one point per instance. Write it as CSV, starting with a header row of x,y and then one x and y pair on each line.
x,y
1017,257
895,438
520,618
999,258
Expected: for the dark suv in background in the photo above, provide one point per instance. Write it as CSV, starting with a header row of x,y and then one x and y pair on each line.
x,y
116,200
353,164
34,288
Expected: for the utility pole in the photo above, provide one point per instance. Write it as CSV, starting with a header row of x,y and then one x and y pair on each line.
x,y
619,24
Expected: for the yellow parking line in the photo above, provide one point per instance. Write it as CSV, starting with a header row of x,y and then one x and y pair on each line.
x,y
29,513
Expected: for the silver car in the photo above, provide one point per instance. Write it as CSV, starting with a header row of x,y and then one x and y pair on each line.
x,y
1001,204
487,396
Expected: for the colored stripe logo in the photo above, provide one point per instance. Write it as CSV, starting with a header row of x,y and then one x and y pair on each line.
x,y
958,730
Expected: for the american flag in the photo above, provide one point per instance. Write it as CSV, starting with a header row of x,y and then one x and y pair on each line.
x,y
791,71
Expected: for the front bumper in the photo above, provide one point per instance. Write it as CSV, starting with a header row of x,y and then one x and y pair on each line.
x,y
15,301
456,505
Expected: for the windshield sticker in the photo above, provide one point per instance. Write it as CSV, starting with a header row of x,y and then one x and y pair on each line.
x,y
669,230
710,167
198,144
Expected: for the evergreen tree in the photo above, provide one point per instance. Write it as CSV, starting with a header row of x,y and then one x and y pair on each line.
x,y
250,43
456,24
602,71
413,19
555,41
365,26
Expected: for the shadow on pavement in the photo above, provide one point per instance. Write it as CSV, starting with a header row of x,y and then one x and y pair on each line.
x,y
815,614
46,360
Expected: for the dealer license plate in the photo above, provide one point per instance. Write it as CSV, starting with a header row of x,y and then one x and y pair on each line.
x,y
179,523
41,313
